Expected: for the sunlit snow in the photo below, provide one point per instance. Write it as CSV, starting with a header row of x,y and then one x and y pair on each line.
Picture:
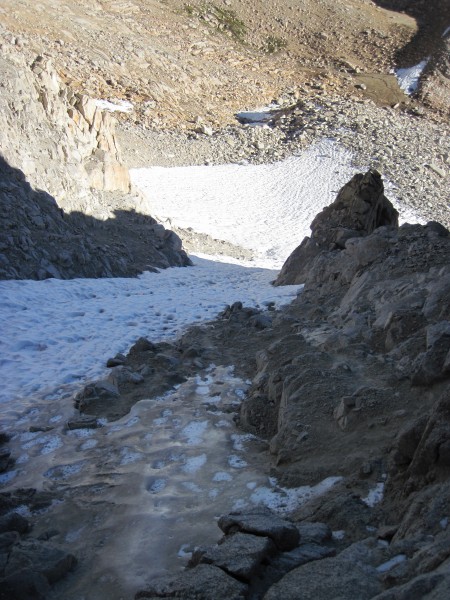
x,y
409,78
116,106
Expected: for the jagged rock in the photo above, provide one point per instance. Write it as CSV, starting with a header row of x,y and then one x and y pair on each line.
x,y
65,144
240,555
202,583
264,523
359,209
432,365
100,392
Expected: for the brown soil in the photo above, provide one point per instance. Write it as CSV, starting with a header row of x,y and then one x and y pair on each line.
x,y
179,61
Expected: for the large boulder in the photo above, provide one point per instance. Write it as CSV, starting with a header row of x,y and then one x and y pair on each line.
x,y
360,208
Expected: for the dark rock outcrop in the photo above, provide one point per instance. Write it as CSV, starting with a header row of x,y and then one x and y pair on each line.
x,y
359,209
39,240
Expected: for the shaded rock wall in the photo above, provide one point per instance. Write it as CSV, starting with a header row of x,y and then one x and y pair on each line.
x,y
66,206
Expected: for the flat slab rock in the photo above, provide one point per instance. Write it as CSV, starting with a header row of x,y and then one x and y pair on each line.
x,y
202,583
240,555
263,523
325,579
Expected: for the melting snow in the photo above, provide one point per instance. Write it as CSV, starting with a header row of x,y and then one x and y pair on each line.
x,y
375,495
408,79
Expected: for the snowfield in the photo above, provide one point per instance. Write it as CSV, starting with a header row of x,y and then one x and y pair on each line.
x,y
266,208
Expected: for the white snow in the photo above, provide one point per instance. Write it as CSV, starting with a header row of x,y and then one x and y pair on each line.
x,y
408,79
375,495
116,106
56,335
266,208
48,344
258,116
390,564
286,500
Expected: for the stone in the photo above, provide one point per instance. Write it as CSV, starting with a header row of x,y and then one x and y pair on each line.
x,y
325,579
436,586
99,391
14,522
431,365
8,539
359,209
83,423
49,561
201,583
116,361
316,533
25,584
264,523
239,555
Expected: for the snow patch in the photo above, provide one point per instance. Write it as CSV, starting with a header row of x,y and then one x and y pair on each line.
x,y
393,562
408,79
375,495
116,106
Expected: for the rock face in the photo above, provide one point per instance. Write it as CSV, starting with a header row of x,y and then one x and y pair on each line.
x,y
39,240
359,209
359,384
64,192
63,142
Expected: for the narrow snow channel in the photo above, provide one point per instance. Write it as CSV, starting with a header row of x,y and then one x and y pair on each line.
x,y
134,497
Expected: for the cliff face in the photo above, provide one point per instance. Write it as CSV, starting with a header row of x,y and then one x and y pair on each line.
x,y
65,194
62,141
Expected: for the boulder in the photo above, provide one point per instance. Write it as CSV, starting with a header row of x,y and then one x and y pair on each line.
x,y
239,555
262,522
202,583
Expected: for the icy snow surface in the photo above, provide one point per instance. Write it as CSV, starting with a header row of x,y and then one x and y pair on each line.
x,y
117,106
57,332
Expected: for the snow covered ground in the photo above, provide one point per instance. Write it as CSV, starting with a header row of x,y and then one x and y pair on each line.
x,y
266,208
58,332
409,78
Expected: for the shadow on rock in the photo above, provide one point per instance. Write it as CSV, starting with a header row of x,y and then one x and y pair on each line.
x,y
39,240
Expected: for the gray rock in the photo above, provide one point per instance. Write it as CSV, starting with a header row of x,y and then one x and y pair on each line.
x,y
201,583
49,561
264,523
360,207
25,584
314,532
431,366
95,393
240,555
325,579
14,522
435,586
